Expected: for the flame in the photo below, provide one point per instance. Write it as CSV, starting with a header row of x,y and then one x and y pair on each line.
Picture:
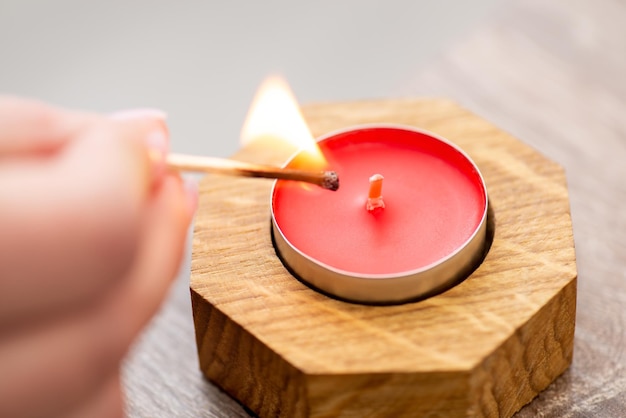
x,y
275,113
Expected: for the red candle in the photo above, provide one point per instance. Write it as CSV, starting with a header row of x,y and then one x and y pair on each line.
x,y
429,229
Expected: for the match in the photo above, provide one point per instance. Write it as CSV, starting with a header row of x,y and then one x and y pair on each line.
x,y
326,179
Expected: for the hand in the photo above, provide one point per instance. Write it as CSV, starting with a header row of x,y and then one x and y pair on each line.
x,y
92,232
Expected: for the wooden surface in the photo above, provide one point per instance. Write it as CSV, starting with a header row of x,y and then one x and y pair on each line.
x,y
483,348
551,73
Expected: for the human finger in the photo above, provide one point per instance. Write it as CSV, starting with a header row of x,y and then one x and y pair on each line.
x,y
78,216
158,260
106,402
64,360
30,126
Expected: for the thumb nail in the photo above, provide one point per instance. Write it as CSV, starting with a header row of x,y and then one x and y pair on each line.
x,y
156,140
157,144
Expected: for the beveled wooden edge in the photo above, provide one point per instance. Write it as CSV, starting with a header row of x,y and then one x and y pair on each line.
x,y
546,304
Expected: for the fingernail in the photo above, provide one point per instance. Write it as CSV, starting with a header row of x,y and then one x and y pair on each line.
x,y
142,113
157,150
156,141
191,189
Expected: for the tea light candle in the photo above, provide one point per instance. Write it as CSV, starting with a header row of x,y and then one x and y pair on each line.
x,y
409,218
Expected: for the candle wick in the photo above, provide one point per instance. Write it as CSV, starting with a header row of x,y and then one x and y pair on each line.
x,y
375,197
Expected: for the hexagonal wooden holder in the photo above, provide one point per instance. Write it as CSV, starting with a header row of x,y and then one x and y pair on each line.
x,y
485,347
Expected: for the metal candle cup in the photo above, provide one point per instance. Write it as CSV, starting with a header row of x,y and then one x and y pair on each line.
x,y
430,234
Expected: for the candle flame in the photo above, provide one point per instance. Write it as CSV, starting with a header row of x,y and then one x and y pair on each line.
x,y
275,113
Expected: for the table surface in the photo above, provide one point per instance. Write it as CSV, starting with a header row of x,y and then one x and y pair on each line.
x,y
553,75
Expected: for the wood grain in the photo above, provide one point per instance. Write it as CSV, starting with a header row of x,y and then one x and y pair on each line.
x,y
551,73
483,348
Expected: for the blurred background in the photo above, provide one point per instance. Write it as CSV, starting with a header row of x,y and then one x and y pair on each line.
x,y
201,61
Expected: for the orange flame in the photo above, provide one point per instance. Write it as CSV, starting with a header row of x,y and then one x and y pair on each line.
x,y
275,113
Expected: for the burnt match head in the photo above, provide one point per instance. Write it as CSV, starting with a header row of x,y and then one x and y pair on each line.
x,y
331,181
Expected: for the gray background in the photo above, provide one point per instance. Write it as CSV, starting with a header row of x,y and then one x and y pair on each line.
x,y
201,61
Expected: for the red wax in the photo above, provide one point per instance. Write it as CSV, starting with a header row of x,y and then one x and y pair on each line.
x,y
434,198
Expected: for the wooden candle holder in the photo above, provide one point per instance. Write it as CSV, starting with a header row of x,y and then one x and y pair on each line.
x,y
485,347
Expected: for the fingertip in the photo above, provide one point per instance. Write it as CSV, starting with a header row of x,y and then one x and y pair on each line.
x,y
173,207
152,132
190,185
158,147
186,194
159,258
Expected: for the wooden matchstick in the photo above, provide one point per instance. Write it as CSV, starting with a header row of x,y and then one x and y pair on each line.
x,y
325,179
